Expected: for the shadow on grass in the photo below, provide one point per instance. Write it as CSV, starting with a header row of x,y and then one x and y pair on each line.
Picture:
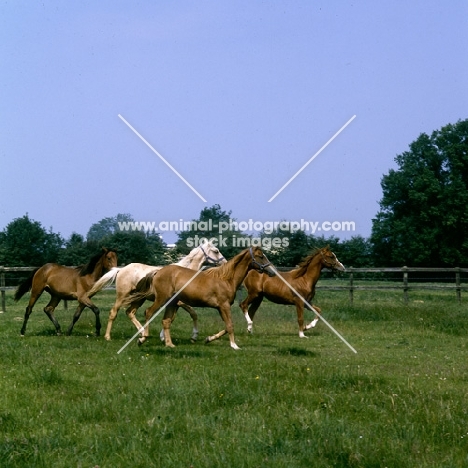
x,y
294,351
177,353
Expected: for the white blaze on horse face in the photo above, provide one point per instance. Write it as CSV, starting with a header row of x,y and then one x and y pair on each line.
x,y
338,265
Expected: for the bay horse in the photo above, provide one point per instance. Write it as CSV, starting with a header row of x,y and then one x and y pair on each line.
x,y
63,282
215,288
127,277
303,279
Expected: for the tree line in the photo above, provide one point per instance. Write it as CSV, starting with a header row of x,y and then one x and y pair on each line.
x,y
422,221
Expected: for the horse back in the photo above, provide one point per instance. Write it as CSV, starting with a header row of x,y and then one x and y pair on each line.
x,y
275,290
62,281
202,291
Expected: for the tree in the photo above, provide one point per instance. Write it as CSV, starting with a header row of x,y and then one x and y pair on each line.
x,y
423,220
213,223
107,226
288,248
137,247
355,252
25,242
77,251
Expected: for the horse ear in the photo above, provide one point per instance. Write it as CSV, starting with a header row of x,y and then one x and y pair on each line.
x,y
105,249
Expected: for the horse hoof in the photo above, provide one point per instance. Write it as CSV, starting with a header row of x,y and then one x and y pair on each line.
x,y
140,341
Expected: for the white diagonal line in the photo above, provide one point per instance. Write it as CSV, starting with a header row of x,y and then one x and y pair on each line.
x,y
312,158
162,159
313,310
160,310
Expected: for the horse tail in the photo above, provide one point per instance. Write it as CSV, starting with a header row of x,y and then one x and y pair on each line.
x,y
142,290
25,286
104,281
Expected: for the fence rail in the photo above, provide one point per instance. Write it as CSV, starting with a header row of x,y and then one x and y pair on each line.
x,y
404,285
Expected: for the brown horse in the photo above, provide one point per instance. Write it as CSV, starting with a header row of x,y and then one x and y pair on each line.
x,y
63,282
302,279
215,288
127,277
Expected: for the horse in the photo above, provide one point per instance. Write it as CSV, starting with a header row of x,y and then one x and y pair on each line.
x,y
303,279
127,277
63,282
215,288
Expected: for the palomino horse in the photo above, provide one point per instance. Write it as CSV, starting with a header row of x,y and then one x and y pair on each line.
x,y
302,279
127,277
63,282
215,288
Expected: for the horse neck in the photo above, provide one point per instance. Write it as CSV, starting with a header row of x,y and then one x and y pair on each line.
x,y
98,271
240,270
313,271
194,262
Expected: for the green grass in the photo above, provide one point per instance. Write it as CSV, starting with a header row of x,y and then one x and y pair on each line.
x,y
278,402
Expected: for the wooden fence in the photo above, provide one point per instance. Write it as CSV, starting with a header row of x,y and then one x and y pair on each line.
x,y
457,285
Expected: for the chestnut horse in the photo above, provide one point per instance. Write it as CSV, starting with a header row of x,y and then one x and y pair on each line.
x,y
215,288
63,282
127,277
302,279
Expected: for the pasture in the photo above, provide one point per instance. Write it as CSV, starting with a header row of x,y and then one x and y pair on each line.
x,y
278,402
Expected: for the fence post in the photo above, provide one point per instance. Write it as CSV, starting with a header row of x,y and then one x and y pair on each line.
x,y
351,285
457,284
405,283
2,287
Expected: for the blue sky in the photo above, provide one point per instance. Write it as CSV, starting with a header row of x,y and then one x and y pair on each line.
x,y
237,96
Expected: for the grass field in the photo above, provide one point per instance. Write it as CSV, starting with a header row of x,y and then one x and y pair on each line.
x,y
278,402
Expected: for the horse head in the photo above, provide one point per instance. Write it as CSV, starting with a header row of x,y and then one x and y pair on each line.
x,y
212,253
329,260
109,258
260,262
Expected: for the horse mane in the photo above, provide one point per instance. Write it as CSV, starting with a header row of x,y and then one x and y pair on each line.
x,y
226,270
187,260
302,267
89,267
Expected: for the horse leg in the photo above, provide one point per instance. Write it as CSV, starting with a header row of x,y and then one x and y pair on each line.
x,y
300,318
32,300
110,321
162,336
49,310
249,306
85,301
76,316
96,311
225,312
149,312
194,316
36,292
315,320
211,338
131,313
